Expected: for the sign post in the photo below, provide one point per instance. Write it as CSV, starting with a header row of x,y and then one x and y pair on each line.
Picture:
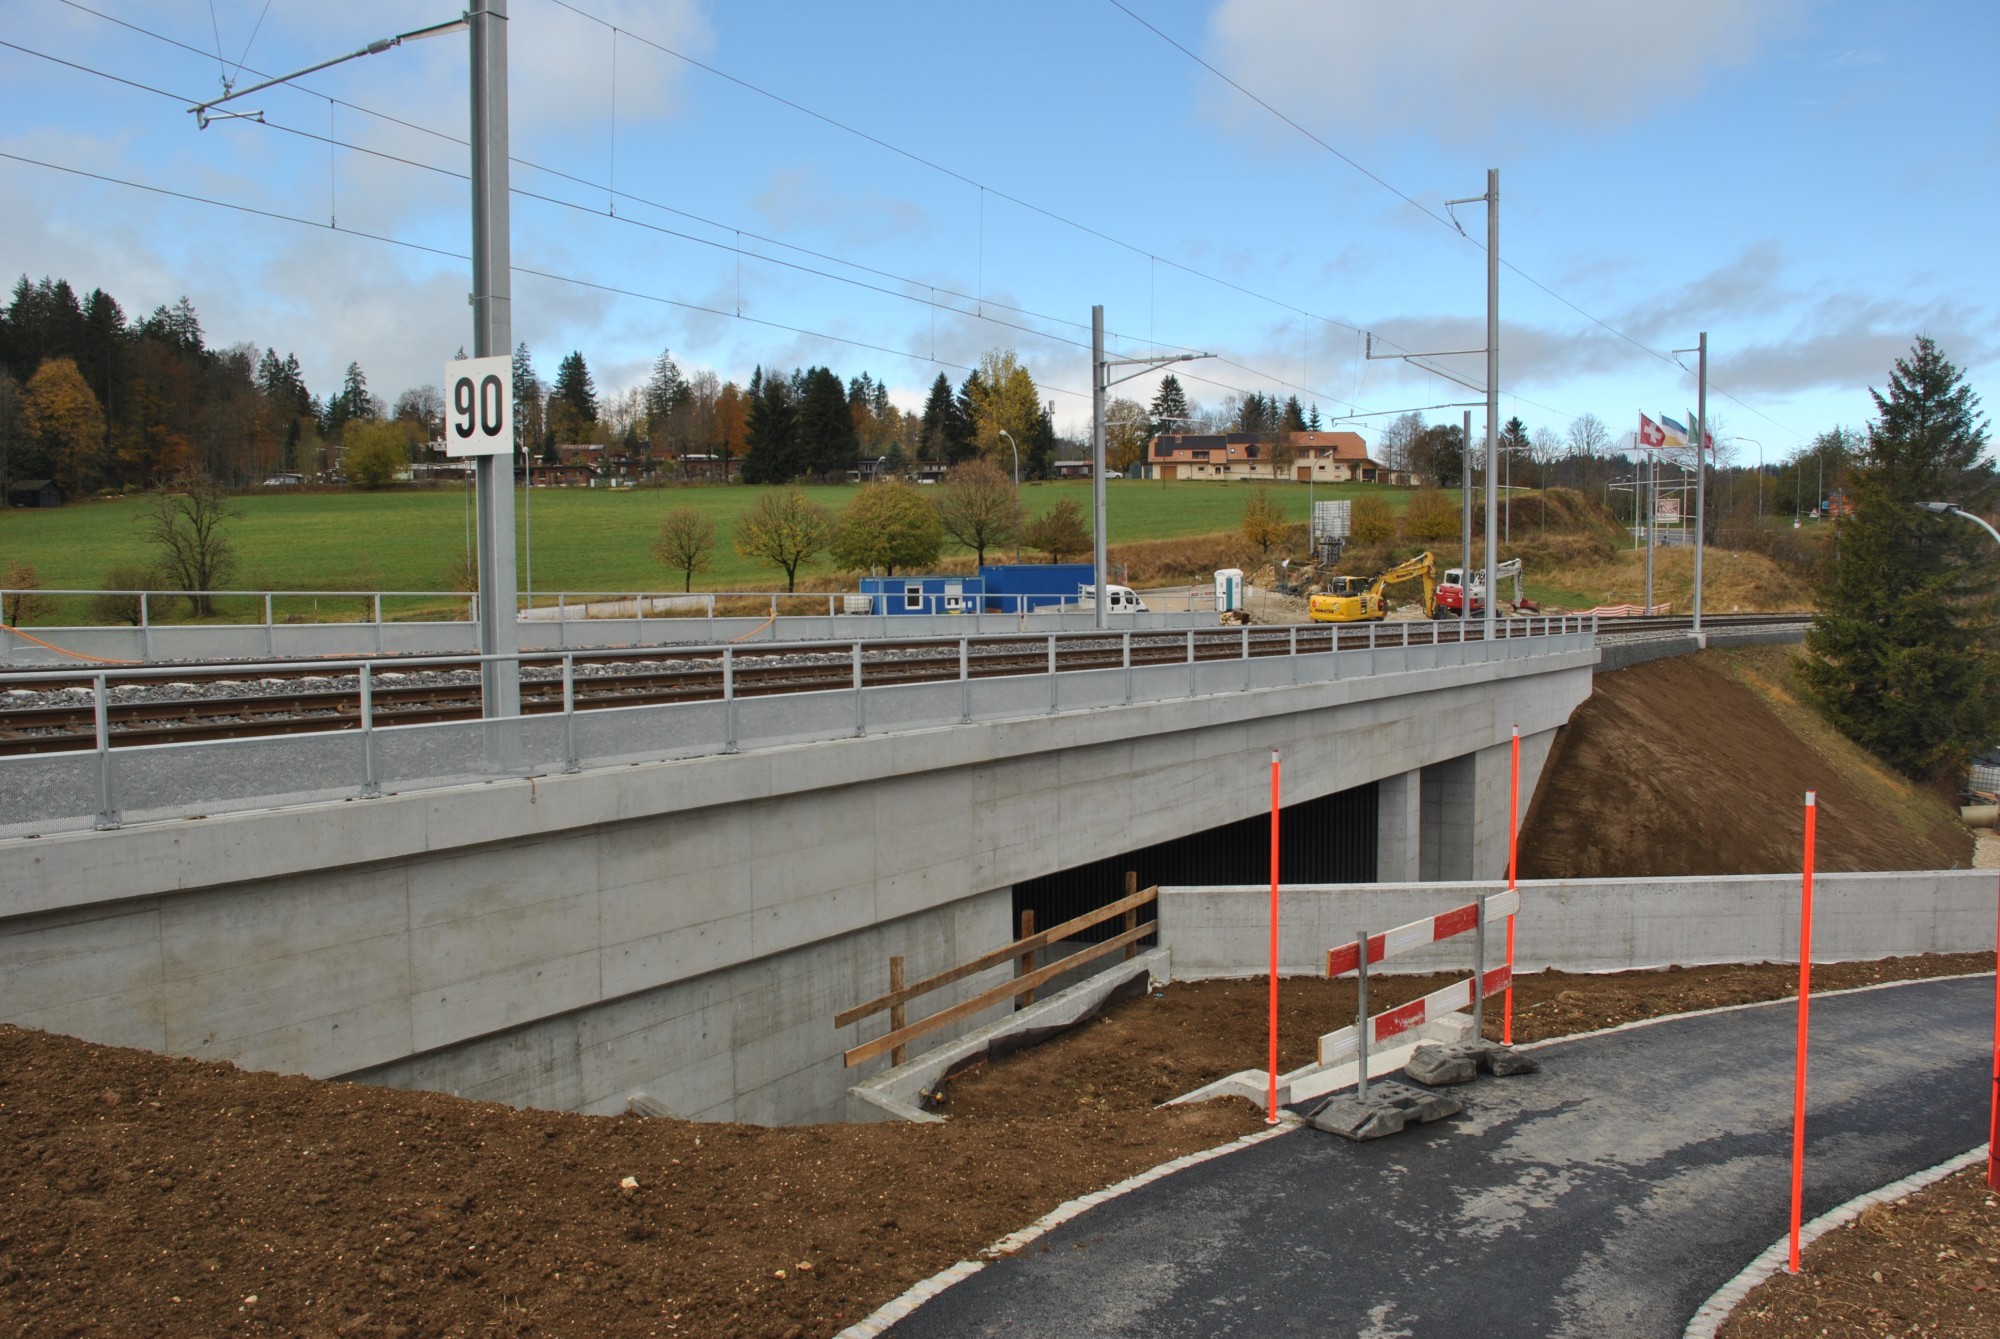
x,y
1805,1011
1271,1104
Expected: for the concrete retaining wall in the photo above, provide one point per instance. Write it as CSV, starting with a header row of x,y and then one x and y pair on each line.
x,y
1623,652
1593,926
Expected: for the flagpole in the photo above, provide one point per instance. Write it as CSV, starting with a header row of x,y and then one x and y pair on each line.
x,y
1652,503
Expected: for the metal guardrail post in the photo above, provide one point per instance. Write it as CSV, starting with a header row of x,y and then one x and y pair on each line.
x,y
270,632
562,618
860,716
145,627
1361,1012
729,699
1193,682
571,763
964,681
1294,652
107,797
371,786
1246,657
375,607
1054,689
1127,665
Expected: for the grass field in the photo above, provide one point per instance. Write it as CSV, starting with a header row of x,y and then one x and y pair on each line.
x,y
582,539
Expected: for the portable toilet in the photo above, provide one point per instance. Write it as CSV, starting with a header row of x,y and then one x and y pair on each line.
x,y
1228,589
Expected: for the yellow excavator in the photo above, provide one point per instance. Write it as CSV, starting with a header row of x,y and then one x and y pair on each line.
x,y
1361,599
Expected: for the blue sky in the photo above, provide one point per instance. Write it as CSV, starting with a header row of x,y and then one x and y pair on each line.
x,y
1810,181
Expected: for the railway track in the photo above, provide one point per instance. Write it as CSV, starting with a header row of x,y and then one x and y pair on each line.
x,y
187,708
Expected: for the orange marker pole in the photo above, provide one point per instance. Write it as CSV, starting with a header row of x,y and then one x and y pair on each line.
x,y
1993,1120
1271,1112
1805,1010
1513,863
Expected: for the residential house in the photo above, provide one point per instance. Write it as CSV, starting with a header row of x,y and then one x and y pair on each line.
x,y
1320,457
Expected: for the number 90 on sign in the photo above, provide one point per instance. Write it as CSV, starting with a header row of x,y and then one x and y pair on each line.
x,y
479,407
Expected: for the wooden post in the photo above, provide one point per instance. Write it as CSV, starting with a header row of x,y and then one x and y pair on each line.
x,y
896,1010
1132,916
1026,962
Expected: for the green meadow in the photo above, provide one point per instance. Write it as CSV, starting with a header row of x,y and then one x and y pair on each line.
x,y
567,539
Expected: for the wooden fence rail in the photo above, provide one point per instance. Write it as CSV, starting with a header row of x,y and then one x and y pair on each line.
x,y
1021,952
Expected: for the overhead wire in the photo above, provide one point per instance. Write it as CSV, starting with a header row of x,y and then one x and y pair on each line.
x,y
979,301
1450,223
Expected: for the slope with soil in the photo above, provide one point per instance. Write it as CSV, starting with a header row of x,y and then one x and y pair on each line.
x,y
1699,765
151,1195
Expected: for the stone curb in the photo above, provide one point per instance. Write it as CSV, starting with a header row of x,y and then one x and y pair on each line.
x,y
885,1316
1777,1255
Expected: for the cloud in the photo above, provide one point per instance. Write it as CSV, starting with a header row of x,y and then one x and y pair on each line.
x,y
807,198
1451,66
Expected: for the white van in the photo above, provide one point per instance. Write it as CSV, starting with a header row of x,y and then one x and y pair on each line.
x,y
1120,599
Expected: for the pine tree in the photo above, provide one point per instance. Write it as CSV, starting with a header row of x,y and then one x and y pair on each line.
x,y
827,442
1295,415
1895,658
575,389
1170,403
530,412
1312,418
772,434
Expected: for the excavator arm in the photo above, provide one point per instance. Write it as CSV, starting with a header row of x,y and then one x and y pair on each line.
x,y
1421,567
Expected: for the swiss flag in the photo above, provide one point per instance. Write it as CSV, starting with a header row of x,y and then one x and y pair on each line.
x,y
1650,433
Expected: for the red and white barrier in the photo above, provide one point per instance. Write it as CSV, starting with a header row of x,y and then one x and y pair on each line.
x,y
1351,1041
1344,1044
1416,934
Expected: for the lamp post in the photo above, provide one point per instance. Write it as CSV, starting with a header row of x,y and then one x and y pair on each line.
x,y
1993,1112
1017,495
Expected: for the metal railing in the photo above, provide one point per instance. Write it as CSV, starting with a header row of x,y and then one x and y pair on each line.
x,y
102,786
273,624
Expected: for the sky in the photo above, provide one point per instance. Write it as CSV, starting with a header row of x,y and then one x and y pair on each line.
x,y
898,188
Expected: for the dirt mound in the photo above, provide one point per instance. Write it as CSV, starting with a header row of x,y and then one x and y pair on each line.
x,y
1682,766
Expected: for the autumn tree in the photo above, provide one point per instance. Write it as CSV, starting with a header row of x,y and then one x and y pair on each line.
x,y
23,603
1002,397
185,521
373,452
1127,430
1895,656
686,543
64,419
978,507
1371,521
1059,531
1264,522
784,530
530,404
888,525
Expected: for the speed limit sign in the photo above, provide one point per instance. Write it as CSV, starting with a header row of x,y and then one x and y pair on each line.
x,y
479,407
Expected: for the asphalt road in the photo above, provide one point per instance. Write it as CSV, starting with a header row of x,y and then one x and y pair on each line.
x,y
1609,1194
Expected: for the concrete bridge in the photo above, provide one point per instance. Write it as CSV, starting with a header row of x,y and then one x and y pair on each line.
x,y
688,926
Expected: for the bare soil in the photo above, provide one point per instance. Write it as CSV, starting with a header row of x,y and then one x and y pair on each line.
x,y
1929,1265
1700,765
147,1195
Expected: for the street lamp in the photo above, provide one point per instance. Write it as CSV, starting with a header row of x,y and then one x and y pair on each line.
x,y
1017,495
1993,1113
1760,477
1953,509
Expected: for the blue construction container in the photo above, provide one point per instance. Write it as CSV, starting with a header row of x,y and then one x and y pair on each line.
x,y
1017,587
923,594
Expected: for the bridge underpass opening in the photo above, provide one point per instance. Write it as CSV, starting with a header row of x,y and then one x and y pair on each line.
x,y
1329,840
